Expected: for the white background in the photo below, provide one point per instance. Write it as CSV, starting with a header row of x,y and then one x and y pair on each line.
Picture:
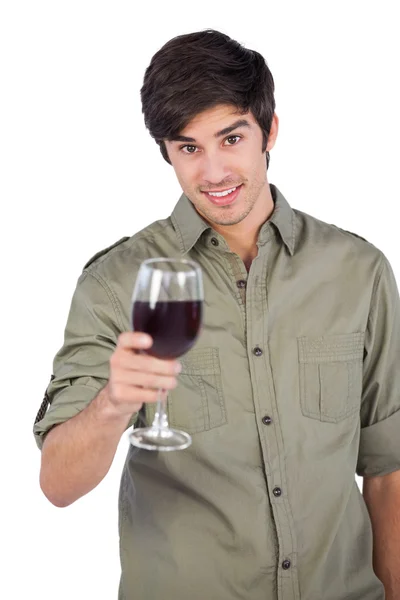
x,y
79,171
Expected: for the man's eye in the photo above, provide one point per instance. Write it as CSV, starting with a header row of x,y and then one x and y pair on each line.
x,y
232,139
189,149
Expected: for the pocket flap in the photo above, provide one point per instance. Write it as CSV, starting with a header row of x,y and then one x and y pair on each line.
x,y
201,361
332,348
197,404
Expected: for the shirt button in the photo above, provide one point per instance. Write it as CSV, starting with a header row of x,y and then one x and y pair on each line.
x,y
214,241
277,492
267,420
286,564
241,283
257,351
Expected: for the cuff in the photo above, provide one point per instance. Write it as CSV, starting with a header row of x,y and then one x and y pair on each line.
x,y
379,451
66,404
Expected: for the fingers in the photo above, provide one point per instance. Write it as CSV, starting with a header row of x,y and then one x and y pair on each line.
x,y
125,359
147,380
135,377
134,340
128,398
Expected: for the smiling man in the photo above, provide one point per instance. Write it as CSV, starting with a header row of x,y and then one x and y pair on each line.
x,y
292,388
223,173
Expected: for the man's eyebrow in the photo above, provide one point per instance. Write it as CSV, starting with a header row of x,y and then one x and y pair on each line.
x,y
225,131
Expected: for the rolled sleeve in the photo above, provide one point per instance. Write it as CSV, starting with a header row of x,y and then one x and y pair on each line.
x,y
81,366
379,450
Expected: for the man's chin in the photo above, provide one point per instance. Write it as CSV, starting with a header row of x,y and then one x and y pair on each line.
x,y
224,220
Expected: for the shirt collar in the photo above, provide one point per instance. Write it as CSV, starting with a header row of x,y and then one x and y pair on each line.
x,y
189,225
283,218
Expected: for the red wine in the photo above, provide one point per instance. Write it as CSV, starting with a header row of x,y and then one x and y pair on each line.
x,y
174,326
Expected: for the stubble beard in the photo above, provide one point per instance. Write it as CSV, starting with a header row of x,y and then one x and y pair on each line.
x,y
252,195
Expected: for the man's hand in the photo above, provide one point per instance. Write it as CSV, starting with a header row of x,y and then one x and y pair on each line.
x,y
135,377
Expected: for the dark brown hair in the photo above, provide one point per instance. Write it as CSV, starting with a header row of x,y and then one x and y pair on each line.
x,y
197,71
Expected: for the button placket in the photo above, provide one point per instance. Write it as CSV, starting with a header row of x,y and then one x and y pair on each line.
x,y
237,272
264,402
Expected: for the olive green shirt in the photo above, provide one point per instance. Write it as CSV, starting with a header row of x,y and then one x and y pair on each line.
x,y
292,388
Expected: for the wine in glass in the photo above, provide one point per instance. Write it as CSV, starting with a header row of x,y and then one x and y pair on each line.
x,y
167,304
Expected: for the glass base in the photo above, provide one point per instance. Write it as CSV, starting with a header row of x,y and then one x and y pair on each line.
x,y
164,440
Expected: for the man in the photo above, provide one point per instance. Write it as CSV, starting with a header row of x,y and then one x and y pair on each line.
x,y
291,389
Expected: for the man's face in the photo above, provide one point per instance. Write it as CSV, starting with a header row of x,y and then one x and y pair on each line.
x,y
217,151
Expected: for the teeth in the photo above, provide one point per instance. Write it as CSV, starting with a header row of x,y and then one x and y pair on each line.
x,y
221,194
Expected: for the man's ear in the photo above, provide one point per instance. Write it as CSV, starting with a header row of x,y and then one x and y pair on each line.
x,y
163,150
273,132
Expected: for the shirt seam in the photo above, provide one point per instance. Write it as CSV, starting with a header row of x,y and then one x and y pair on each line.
x,y
375,288
111,296
293,238
138,237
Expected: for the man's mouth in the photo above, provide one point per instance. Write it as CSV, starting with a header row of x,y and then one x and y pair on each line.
x,y
223,197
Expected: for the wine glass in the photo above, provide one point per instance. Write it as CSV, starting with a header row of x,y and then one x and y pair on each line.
x,y
167,304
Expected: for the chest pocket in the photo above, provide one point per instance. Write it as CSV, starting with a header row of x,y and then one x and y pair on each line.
x,y
330,372
197,403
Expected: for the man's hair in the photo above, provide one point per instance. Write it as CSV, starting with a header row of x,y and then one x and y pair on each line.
x,y
198,71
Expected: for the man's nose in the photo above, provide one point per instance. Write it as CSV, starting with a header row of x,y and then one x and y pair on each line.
x,y
214,172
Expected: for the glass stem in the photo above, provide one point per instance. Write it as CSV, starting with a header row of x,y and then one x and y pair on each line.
x,y
160,419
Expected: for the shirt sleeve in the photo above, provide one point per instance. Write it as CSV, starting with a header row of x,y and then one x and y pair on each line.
x,y
379,450
81,366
